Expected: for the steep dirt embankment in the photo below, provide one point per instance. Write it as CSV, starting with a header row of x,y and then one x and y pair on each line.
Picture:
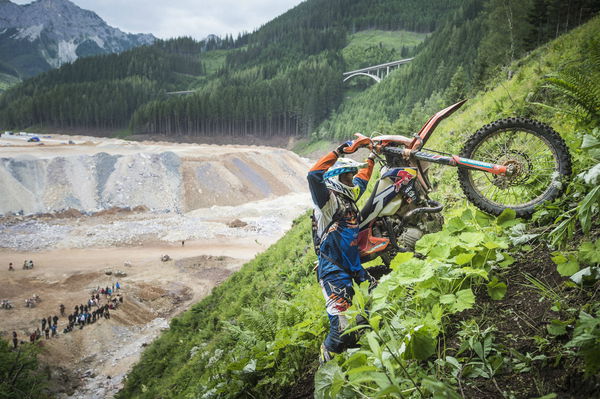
x,y
91,176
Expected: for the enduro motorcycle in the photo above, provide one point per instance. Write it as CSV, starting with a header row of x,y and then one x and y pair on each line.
x,y
515,163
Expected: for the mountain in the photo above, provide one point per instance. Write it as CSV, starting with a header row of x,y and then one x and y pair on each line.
x,y
46,34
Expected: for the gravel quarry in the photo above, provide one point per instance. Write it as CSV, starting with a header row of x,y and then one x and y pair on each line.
x,y
86,209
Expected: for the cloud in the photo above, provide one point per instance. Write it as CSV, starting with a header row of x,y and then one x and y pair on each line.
x,y
195,18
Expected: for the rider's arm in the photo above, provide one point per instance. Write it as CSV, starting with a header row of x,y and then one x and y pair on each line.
x,y
316,181
363,176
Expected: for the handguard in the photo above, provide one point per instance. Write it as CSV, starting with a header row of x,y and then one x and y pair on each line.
x,y
360,141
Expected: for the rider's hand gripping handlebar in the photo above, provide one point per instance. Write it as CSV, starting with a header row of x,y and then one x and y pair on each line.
x,y
359,142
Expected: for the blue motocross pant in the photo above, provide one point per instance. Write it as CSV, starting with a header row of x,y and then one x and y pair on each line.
x,y
338,293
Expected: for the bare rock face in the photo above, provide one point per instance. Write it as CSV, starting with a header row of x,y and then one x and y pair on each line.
x,y
102,180
49,33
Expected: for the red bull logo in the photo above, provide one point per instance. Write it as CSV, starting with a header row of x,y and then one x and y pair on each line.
x,y
403,176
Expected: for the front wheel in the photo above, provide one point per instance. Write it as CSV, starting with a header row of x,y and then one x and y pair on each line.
x,y
537,156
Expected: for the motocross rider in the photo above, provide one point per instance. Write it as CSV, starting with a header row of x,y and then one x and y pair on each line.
x,y
336,184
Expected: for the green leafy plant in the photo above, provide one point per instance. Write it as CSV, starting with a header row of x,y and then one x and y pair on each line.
x,y
19,373
496,289
586,338
484,359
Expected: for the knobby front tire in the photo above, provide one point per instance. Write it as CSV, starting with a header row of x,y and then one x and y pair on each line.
x,y
534,150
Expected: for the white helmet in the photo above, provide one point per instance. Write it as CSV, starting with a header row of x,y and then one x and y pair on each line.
x,y
332,177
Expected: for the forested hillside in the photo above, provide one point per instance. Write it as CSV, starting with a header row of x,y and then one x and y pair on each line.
x,y
475,43
489,313
286,78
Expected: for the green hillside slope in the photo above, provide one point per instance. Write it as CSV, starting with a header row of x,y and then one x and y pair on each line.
x,y
489,313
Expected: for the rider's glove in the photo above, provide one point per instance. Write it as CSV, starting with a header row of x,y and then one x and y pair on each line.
x,y
341,149
372,156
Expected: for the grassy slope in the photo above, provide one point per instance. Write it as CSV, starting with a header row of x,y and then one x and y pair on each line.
x,y
259,331
389,39
7,81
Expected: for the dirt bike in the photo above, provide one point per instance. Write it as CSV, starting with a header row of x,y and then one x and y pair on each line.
x,y
512,163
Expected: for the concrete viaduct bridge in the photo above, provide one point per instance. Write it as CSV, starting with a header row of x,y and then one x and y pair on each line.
x,y
376,72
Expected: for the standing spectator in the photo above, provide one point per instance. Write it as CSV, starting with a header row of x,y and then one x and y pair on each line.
x,y
62,310
38,334
47,331
118,286
49,321
55,319
10,267
32,337
53,328
15,340
44,323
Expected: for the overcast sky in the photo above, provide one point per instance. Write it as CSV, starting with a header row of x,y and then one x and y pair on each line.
x,y
195,18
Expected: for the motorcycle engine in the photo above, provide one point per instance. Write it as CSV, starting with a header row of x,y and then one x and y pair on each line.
x,y
420,225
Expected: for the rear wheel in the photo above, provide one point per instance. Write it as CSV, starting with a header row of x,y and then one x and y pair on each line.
x,y
537,159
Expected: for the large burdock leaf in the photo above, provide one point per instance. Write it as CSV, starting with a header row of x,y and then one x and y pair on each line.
x,y
472,239
401,258
496,289
566,265
507,218
428,242
464,300
455,224
413,271
420,346
329,381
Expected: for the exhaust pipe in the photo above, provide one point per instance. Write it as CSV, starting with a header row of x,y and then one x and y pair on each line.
x,y
433,207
